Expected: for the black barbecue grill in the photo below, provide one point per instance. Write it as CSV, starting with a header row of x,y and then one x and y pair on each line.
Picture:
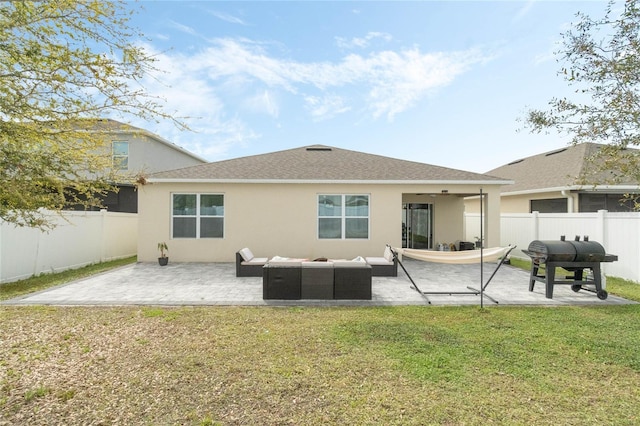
x,y
573,256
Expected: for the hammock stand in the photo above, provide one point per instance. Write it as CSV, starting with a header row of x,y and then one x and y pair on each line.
x,y
472,291
498,252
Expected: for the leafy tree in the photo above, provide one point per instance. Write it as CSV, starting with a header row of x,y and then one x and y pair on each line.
x,y
601,59
64,64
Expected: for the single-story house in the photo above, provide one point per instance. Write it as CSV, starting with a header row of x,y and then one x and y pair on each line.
x,y
562,181
309,202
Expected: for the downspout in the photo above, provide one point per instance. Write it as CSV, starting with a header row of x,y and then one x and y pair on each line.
x,y
569,198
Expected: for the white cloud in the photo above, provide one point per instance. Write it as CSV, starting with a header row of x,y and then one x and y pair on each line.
x,y
545,57
523,11
361,42
226,17
186,92
229,58
553,46
398,80
263,102
325,107
184,28
392,80
220,135
206,85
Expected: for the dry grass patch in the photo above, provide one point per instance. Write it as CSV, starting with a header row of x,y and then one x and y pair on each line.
x,y
406,365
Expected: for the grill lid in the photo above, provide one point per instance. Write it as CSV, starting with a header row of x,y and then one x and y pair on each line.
x,y
566,251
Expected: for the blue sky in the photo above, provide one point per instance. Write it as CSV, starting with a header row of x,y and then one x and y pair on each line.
x,y
435,82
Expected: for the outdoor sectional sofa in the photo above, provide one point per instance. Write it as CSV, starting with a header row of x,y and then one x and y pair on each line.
x,y
294,280
247,265
385,266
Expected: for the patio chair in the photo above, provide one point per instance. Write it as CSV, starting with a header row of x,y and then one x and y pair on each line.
x,y
247,265
385,266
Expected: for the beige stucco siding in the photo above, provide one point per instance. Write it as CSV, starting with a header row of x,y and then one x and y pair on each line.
x,y
518,203
445,208
281,219
522,203
493,206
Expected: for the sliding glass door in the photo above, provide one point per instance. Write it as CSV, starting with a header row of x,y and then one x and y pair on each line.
x,y
417,226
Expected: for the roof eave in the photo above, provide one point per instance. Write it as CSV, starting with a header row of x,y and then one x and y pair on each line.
x,y
334,181
586,188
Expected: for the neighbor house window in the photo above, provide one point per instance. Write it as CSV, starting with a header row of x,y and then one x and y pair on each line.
x,y
197,215
343,216
551,205
120,155
612,202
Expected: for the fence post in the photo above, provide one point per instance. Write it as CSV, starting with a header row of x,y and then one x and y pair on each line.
x,y
602,231
536,225
601,227
37,263
103,229
464,225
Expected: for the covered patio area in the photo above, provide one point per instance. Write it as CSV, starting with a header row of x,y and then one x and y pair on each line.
x,y
201,284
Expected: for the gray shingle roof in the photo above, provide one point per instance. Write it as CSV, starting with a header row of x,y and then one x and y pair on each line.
x,y
559,168
321,163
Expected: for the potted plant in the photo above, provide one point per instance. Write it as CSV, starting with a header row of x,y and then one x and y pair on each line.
x,y
163,259
478,242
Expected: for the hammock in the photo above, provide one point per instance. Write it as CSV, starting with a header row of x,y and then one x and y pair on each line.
x,y
464,256
455,257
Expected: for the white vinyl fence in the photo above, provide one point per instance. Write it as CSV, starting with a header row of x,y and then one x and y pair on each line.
x,y
82,239
619,233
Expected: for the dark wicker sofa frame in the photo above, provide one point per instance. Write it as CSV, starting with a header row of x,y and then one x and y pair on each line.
x,y
244,269
294,281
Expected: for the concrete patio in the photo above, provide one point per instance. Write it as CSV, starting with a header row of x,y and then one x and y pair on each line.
x,y
216,284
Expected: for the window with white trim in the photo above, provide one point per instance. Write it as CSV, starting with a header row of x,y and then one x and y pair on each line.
x,y
197,215
343,216
120,155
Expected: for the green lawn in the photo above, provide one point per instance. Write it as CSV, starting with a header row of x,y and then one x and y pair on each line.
x,y
307,366
618,286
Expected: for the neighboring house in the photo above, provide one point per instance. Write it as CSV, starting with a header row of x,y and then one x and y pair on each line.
x,y
309,202
137,152
550,183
